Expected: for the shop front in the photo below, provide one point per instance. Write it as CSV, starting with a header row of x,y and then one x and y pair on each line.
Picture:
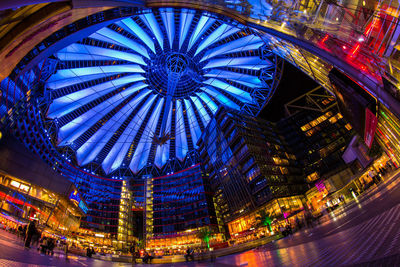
x,y
23,201
177,243
268,219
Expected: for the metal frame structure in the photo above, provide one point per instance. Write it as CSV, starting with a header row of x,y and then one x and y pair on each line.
x,y
223,64
312,100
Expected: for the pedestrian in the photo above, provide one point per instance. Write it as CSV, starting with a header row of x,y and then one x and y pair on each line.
x,y
66,251
35,238
89,252
30,230
309,219
282,230
147,257
298,223
19,232
132,250
189,254
24,231
92,251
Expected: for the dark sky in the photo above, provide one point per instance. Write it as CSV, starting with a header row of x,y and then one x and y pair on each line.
x,y
293,84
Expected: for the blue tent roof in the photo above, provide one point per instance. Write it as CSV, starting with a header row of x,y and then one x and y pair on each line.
x,y
141,90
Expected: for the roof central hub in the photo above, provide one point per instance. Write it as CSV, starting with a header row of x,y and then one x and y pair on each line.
x,y
176,63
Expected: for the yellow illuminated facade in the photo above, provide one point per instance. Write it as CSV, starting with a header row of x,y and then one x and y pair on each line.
x,y
281,209
125,233
388,134
26,201
148,210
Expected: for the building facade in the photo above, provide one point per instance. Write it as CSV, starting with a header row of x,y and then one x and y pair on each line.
x,y
248,164
316,133
175,207
258,166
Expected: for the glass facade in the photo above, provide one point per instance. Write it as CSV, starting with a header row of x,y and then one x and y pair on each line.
x,y
318,140
177,204
101,194
248,163
388,133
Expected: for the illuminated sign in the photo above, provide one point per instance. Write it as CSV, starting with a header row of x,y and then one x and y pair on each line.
x,y
370,126
74,197
15,184
83,207
77,200
320,186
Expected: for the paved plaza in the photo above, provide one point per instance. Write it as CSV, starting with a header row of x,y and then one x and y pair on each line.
x,y
365,233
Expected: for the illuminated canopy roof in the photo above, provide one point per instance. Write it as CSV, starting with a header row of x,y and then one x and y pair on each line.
x,y
141,90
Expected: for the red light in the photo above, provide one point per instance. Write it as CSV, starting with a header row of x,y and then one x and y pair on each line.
x,y
324,39
355,49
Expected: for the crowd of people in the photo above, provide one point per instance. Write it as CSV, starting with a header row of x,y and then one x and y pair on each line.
x,y
32,237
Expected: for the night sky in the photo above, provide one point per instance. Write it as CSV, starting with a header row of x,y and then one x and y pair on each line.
x,y
293,84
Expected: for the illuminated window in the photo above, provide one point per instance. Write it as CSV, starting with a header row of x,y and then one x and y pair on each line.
x,y
333,119
312,177
24,188
277,160
305,127
15,184
284,170
348,126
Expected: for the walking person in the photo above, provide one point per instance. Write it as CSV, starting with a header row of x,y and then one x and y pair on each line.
x,y
66,251
19,231
132,250
30,230
189,254
35,238
89,252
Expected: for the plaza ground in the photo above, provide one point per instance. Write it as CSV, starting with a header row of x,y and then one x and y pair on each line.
x,y
363,233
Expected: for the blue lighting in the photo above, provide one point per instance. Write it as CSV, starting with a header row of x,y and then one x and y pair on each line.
x,y
243,44
141,155
204,115
167,16
162,153
221,98
181,141
247,80
88,151
66,104
238,93
138,92
110,36
78,51
251,63
117,153
185,22
81,124
204,23
152,24
132,27
211,104
194,125
221,33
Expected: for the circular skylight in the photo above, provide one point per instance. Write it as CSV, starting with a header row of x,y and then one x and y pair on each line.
x,y
141,90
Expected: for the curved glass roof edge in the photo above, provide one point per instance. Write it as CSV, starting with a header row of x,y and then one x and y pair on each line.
x,y
94,81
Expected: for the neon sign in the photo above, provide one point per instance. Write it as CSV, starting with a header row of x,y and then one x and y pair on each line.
x,y
74,197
